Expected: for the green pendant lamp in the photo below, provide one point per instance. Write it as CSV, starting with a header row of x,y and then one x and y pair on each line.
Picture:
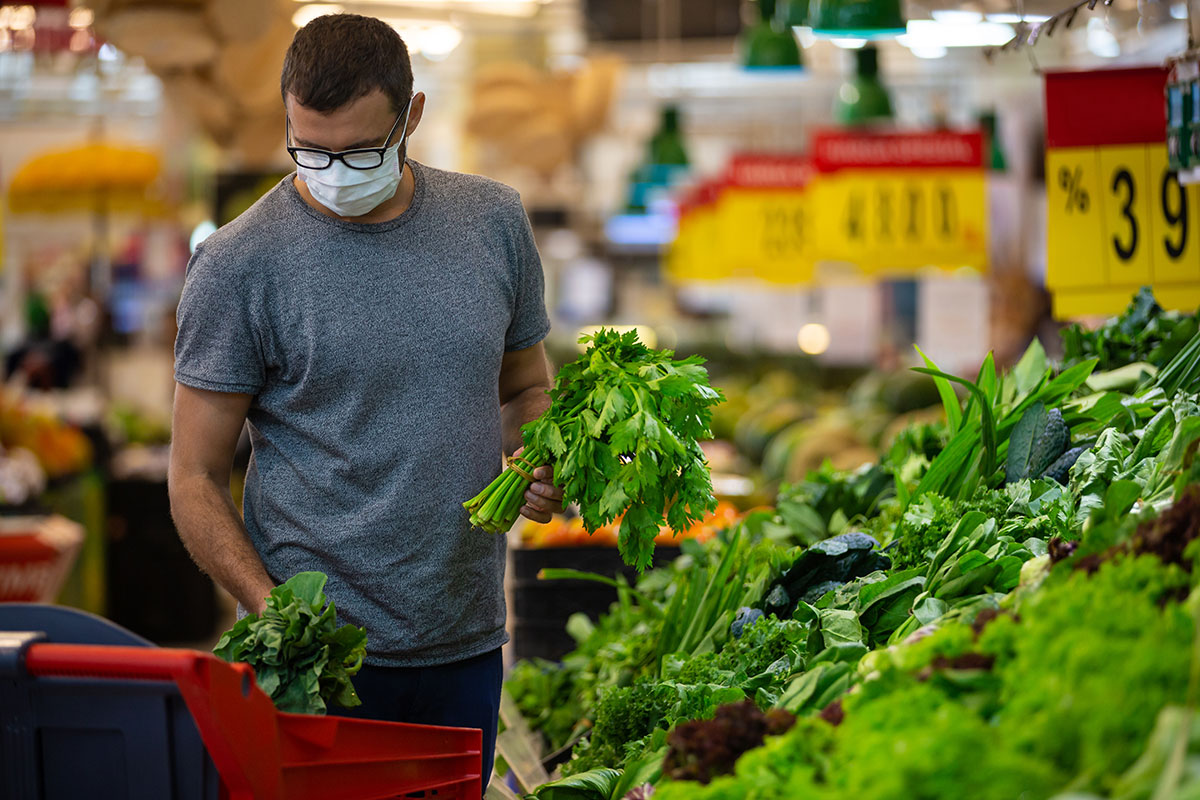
x,y
995,157
768,44
858,19
863,99
666,146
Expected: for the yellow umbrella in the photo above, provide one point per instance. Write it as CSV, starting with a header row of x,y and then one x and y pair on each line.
x,y
89,177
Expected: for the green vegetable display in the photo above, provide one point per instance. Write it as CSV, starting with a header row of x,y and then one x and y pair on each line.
x,y
301,658
1144,333
1006,605
623,432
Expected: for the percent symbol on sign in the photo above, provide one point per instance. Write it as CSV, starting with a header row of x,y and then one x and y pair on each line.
x,y
1072,184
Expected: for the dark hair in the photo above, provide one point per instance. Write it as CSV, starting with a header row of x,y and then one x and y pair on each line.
x,y
338,58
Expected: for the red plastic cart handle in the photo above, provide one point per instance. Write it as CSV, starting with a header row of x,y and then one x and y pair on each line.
x,y
264,754
236,719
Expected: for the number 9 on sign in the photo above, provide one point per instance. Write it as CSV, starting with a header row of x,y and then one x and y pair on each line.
x,y
1174,223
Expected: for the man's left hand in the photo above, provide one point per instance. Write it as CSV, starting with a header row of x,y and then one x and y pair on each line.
x,y
542,499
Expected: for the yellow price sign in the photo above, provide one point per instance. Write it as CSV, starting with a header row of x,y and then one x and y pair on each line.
x,y
763,216
1075,226
1117,216
1119,219
695,254
902,220
1174,223
898,203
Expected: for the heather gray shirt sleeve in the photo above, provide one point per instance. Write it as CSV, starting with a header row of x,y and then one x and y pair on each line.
x,y
218,345
530,324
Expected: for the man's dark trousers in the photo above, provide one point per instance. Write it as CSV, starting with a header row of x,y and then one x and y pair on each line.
x,y
464,694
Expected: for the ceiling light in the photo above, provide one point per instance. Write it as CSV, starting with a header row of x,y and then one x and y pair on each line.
x,y
848,43
307,13
439,41
1100,40
432,38
926,34
81,17
21,18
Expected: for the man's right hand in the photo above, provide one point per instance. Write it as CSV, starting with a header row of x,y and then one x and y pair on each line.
x,y
259,605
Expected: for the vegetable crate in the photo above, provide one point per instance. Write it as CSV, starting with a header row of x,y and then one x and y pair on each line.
x,y
36,554
122,721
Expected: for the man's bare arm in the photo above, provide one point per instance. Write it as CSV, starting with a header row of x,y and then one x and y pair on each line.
x,y
524,380
204,435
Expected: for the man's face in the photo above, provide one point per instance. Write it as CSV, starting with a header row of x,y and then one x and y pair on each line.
x,y
360,123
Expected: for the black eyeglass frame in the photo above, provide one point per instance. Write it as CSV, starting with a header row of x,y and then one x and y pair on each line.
x,y
340,155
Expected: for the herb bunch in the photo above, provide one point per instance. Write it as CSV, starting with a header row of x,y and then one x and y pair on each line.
x,y
623,431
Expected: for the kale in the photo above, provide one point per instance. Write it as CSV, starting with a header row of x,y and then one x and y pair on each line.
x,y
1144,332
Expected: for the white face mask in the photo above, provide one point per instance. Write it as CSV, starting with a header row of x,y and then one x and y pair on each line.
x,y
354,192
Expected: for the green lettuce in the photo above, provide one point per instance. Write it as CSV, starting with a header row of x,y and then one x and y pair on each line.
x,y
301,658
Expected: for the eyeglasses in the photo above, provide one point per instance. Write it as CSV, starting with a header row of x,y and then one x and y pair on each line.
x,y
361,158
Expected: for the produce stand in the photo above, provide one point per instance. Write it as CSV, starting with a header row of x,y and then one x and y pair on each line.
x,y
88,704
36,554
541,608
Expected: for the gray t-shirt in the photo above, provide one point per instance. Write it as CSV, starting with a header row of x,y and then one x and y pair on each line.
x,y
373,353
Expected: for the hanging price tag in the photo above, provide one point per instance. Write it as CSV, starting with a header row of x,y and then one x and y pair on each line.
x,y
695,254
900,203
763,215
1117,216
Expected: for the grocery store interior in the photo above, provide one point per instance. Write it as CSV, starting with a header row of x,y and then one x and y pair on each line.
x,y
938,257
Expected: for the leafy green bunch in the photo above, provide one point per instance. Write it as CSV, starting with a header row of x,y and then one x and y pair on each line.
x,y
302,659
1144,333
623,431
1057,699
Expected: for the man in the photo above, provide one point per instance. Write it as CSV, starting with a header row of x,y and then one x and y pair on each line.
x,y
379,324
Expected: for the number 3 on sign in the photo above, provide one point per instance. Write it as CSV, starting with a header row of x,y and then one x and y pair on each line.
x,y
1175,224
1124,173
